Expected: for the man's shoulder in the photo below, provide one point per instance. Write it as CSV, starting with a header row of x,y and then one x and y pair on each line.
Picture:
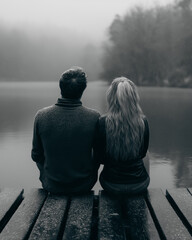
x,y
45,110
91,111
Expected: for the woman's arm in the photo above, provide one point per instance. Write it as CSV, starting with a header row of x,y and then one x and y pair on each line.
x,y
146,162
145,149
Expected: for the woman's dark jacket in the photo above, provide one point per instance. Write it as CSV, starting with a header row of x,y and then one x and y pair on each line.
x,y
123,172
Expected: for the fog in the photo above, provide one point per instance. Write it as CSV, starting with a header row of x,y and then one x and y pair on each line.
x,y
41,39
44,55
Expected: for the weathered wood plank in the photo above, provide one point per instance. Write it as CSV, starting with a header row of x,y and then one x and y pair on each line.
x,y
9,201
140,224
169,224
49,222
110,225
21,223
78,225
181,200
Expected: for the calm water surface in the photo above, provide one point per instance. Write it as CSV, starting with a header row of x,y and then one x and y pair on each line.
x,y
168,110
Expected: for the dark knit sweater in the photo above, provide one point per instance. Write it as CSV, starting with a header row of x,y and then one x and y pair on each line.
x,y
123,172
63,140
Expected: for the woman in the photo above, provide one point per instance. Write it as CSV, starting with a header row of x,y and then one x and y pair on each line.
x,y
124,139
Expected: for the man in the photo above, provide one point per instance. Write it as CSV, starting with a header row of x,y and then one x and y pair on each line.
x,y
64,139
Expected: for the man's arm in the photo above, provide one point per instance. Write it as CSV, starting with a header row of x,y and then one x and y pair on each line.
x,y
99,144
37,152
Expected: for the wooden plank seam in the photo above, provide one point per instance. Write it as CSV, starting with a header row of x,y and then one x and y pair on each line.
x,y
35,219
95,218
79,221
64,220
179,212
138,220
155,220
11,211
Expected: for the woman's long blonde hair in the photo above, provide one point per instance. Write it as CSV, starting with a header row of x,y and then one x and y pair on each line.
x,y
124,120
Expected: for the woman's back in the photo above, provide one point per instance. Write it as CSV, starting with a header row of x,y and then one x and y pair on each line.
x,y
124,138
123,171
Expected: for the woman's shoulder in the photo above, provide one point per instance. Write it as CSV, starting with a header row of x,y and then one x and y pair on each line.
x,y
145,120
146,124
102,120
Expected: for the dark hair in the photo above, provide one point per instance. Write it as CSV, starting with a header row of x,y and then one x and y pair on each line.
x,y
73,82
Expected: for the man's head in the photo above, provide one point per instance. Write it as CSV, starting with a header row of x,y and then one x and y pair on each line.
x,y
72,83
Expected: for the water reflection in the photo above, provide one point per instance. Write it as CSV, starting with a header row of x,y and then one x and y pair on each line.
x,y
182,169
168,111
161,172
17,169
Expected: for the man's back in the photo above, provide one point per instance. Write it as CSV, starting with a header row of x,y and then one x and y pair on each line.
x,y
64,138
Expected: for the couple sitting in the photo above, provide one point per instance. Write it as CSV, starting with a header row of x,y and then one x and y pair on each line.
x,y
70,141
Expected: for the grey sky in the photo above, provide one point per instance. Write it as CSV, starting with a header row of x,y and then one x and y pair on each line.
x,y
90,17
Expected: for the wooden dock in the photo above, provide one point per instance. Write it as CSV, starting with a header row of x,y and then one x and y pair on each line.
x,y
37,215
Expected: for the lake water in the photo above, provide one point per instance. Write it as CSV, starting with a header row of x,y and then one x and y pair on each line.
x,y
169,112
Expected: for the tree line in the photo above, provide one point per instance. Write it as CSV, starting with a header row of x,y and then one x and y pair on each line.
x,y
152,47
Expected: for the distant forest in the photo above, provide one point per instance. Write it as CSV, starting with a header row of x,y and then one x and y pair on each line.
x,y
151,47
